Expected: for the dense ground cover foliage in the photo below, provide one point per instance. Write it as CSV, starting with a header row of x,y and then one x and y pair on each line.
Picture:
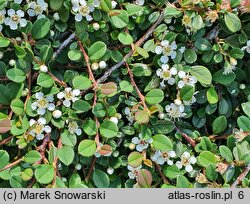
x,y
101,93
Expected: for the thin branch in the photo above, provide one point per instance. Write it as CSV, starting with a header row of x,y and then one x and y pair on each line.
x,y
91,169
62,83
64,44
142,98
12,164
138,44
5,141
241,177
86,58
158,168
56,172
186,137
42,148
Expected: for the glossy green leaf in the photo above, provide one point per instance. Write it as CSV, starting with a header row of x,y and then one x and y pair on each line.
x,y
162,142
108,129
87,148
16,75
44,173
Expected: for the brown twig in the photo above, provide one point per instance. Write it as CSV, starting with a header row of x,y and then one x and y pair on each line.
x,y
142,98
12,164
42,148
138,44
6,140
56,172
92,165
62,83
241,177
158,168
29,88
186,137
86,58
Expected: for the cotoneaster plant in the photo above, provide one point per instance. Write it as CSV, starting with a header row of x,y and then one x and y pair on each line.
x,y
143,93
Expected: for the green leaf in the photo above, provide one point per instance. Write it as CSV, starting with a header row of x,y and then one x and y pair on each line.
x,y
187,93
162,143
87,148
142,52
202,74
17,106
106,5
126,86
81,106
229,174
97,51
5,126
108,129
4,42
134,9
101,179
211,173
125,38
20,52
244,123
66,155
68,139
99,110
171,172
206,157
119,18
27,174
190,56
4,158
81,82
135,159
40,28
246,108
212,95
17,182
16,75
44,173
226,153
203,44
154,96
142,117
45,80
232,22
197,22
32,157
182,182
224,79
219,124
74,180
144,178
89,127
74,55
55,4
172,12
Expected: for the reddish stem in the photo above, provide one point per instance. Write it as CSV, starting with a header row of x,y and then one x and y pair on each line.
x,y
12,164
91,169
241,177
142,98
6,140
186,137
